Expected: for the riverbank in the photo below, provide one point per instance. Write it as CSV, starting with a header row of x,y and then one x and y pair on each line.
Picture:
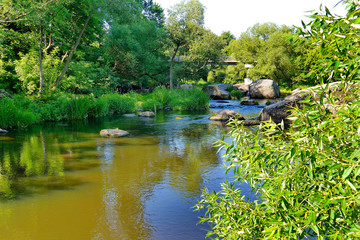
x,y
21,111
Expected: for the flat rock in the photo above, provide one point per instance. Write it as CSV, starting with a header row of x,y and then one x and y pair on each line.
x,y
146,114
225,115
130,115
113,133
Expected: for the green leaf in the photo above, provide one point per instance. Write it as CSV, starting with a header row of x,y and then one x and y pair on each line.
x,y
347,172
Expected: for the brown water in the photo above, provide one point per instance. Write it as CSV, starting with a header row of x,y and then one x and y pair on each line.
x,y
63,181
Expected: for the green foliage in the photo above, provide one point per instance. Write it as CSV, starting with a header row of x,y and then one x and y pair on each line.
x,y
236,94
269,49
75,107
12,114
118,103
334,45
27,70
181,100
306,176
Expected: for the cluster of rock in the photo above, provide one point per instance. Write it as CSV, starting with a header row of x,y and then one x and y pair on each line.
x,y
260,89
280,111
115,133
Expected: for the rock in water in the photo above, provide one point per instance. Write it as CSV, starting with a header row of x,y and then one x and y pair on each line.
x,y
218,91
113,133
225,115
2,131
264,89
277,112
146,114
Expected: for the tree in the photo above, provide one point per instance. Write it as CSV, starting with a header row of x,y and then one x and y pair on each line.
x,y
306,176
268,47
184,24
135,48
227,37
204,52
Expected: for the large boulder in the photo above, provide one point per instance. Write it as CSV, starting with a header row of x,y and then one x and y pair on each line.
x,y
277,112
113,133
225,115
218,91
264,88
280,111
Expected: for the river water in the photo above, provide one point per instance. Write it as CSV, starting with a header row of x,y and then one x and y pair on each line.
x,y
64,181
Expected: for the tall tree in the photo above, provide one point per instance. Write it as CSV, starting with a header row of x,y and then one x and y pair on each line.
x,y
185,22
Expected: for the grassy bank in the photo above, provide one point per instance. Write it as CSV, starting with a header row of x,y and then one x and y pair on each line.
x,y
179,100
20,111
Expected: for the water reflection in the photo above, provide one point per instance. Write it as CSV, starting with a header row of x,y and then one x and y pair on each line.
x,y
109,187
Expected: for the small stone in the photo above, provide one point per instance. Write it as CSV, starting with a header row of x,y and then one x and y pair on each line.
x,y
146,114
129,115
113,133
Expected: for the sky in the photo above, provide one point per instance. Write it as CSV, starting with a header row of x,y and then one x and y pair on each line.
x,y
237,16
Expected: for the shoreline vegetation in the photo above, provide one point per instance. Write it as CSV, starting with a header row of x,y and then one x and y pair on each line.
x,y
21,111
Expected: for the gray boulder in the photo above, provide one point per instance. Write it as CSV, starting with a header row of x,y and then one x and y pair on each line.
x,y
225,115
113,133
218,91
146,114
277,112
264,88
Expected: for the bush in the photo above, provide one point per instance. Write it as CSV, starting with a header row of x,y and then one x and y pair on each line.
x,y
99,108
193,99
119,103
12,115
151,104
236,94
75,107
307,177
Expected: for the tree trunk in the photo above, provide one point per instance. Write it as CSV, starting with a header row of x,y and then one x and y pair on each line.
x,y
40,63
72,52
172,66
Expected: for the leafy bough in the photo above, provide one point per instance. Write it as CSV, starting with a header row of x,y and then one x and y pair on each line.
x,y
307,177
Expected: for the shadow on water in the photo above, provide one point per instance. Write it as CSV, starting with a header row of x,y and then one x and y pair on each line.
x,y
137,187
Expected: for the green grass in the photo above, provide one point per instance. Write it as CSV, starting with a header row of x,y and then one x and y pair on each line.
x,y
177,99
21,111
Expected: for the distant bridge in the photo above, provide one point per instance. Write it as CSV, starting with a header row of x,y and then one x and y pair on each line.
x,y
228,60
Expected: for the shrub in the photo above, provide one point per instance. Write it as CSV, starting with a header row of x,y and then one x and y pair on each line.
x,y
307,177
151,105
12,115
99,108
119,103
75,107
236,94
193,99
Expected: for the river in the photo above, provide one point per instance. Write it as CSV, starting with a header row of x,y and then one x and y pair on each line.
x,y
64,181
